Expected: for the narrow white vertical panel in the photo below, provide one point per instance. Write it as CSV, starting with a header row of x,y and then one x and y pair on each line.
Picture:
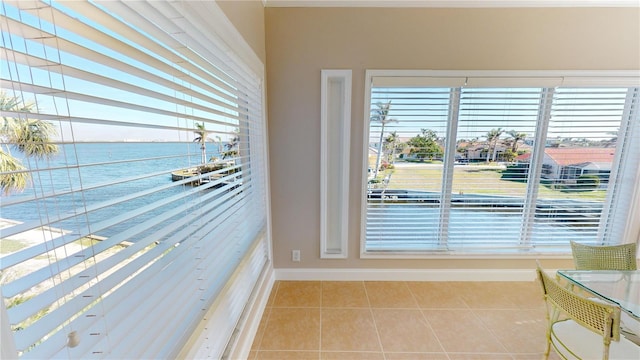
x,y
335,117
8,349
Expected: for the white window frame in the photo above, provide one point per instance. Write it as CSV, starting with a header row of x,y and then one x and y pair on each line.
x,y
457,78
225,314
335,115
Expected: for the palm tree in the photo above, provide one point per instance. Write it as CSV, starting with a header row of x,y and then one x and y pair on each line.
x,y
232,147
391,142
14,177
201,137
492,138
380,115
516,137
29,136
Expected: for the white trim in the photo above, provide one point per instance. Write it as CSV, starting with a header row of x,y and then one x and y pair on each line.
x,y
543,78
207,338
8,348
632,233
632,211
249,327
406,274
407,255
485,78
451,3
224,31
366,127
255,310
335,118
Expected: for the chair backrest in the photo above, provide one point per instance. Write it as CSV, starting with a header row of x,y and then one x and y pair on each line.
x,y
615,257
599,317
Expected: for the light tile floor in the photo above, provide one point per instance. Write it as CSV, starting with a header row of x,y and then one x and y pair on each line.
x,y
324,320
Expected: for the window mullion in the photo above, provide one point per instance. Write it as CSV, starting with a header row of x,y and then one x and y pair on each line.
x,y
535,167
447,171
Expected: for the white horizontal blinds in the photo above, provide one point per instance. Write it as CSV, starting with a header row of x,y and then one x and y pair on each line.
x,y
495,127
579,162
404,194
531,166
622,193
104,243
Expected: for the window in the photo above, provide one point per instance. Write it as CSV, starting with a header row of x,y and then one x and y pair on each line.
x,y
496,163
336,124
133,178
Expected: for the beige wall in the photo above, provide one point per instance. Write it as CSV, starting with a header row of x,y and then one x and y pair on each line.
x,y
302,41
248,18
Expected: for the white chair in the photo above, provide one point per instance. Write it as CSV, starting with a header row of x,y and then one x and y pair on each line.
x,y
580,328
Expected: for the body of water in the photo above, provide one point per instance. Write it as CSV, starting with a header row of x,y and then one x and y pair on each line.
x,y
86,175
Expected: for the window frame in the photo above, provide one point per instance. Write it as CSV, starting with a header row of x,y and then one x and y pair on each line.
x,y
496,78
235,293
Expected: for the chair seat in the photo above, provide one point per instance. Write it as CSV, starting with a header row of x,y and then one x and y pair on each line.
x,y
588,345
630,324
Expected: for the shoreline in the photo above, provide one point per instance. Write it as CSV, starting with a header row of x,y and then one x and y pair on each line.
x,y
32,236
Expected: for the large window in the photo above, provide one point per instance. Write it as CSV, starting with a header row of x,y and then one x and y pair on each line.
x,y
497,164
133,179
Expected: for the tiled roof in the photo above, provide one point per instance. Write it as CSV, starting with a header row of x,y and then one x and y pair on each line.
x,y
574,156
570,156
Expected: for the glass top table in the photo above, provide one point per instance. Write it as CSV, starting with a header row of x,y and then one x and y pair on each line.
x,y
619,287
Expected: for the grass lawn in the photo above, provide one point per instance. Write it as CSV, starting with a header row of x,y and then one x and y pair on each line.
x,y
8,246
474,179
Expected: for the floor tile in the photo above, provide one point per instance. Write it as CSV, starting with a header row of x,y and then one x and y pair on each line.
x,y
536,356
527,295
461,331
292,329
348,330
351,355
344,294
390,294
415,356
272,295
437,294
489,295
403,330
257,339
288,355
298,294
477,356
520,331
388,320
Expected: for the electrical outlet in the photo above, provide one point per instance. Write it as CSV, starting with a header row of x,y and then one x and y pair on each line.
x,y
295,255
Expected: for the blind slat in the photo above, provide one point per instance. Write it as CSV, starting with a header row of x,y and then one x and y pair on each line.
x,y
474,197
124,92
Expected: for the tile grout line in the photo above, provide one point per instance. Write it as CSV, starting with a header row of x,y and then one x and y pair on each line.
x,y
428,322
381,351
320,322
487,328
270,304
375,325
266,321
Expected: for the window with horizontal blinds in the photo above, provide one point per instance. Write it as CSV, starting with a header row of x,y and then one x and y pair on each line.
x,y
486,166
133,178
494,126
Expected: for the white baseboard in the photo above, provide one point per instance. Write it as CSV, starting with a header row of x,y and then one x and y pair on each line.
x,y
406,274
